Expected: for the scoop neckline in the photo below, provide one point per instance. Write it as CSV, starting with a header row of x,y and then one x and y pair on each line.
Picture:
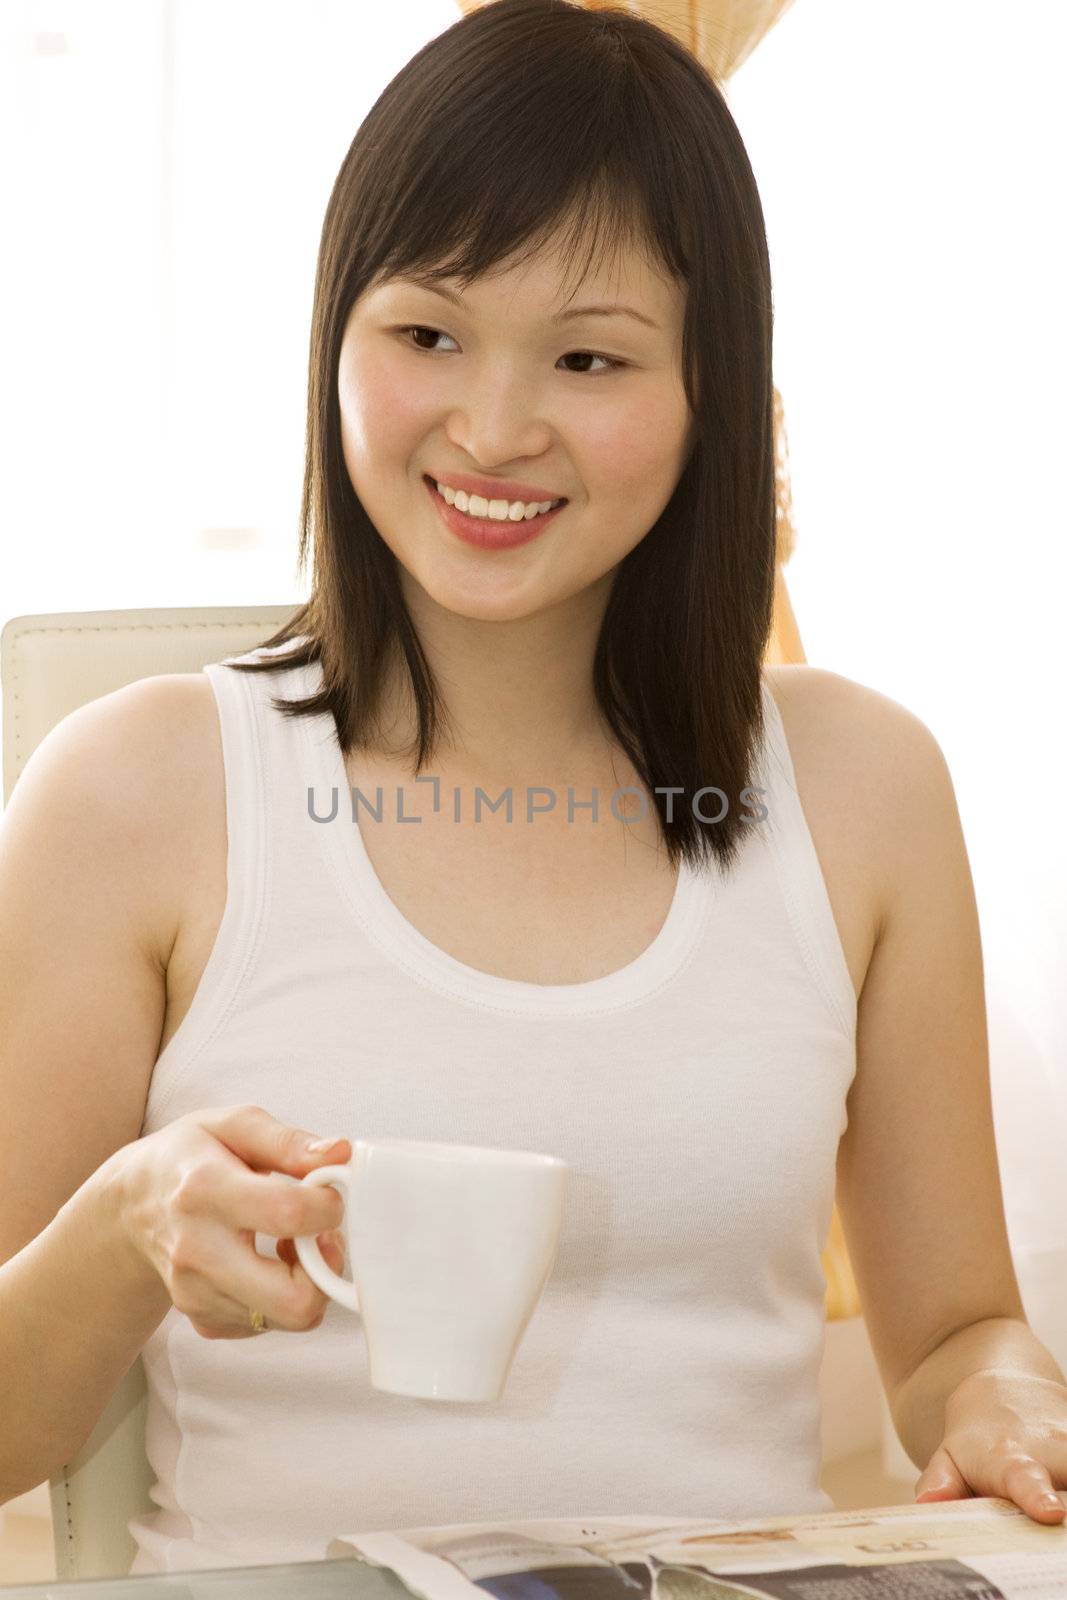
x,y
385,924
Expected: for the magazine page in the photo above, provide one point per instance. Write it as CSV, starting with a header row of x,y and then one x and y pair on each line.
x,y
981,1549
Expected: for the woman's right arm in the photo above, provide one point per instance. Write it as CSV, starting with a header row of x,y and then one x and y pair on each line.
x,y
102,1231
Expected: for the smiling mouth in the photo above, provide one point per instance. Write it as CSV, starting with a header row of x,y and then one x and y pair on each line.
x,y
551,505
490,533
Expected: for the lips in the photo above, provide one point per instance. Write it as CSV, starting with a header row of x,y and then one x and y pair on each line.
x,y
485,532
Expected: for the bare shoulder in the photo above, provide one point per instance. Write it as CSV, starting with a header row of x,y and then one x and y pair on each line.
x,y
863,763
851,730
126,746
807,694
143,760
159,730
174,726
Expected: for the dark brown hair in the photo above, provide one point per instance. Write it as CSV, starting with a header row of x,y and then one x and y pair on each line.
x,y
577,124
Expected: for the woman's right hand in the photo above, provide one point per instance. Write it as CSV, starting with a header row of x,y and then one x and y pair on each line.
x,y
194,1195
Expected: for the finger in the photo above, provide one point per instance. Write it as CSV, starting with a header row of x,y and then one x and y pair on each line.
x,y
287,1297
229,1319
268,1145
331,1245
941,1479
1030,1485
223,1318
217,1315
265,1203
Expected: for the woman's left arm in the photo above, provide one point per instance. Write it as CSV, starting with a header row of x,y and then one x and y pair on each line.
x,y
974,1394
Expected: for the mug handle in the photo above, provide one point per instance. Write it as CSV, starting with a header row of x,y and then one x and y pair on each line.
x,y
307,1245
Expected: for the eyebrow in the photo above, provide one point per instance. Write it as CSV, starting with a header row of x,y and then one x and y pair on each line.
x,y
563,316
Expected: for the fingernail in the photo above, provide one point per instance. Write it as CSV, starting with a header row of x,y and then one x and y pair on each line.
x,y
316,1147
1051,1500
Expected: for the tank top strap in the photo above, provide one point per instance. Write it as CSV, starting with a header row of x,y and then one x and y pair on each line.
x,y
269,783
800,873
240,930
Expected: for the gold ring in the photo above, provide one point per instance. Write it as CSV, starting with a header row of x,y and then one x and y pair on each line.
x,y
258,1321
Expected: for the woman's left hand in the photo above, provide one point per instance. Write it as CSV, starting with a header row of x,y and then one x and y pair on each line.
x,y
1005,1435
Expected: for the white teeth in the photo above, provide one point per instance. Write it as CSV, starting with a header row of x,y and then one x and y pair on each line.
x,y
475,505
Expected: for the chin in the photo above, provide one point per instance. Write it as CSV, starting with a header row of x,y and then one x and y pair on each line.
x,y
490,598
488,607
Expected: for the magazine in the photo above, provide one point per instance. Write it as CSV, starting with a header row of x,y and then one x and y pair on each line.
x,y
981,1549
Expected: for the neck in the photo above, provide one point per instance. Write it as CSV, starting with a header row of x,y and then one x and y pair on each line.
x,y
517,696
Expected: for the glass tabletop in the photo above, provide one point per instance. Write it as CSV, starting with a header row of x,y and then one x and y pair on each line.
x,y
346,1578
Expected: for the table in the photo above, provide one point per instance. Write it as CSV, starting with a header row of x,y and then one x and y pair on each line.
x,y
346,1578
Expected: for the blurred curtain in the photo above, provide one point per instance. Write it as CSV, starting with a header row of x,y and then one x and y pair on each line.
x,y
723,34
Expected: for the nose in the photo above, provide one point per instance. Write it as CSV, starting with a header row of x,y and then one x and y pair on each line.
x,y
499,425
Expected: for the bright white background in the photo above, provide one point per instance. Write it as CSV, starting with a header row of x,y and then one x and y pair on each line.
x,y
910,159
165,167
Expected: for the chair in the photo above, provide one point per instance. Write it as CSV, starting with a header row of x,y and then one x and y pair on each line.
x,y
50,665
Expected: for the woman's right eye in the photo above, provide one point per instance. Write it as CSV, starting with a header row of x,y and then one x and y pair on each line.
x,y
435,333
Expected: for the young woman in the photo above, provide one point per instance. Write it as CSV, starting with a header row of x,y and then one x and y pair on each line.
x,y
722,955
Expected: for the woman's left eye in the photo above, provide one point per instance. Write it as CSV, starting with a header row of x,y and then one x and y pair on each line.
x,y
611,362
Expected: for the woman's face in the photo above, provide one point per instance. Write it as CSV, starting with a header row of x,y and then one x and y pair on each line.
x,y
507,382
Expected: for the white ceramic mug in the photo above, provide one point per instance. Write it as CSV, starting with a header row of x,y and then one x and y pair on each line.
x,y
450,1248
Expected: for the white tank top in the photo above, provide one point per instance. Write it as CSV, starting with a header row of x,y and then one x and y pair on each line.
x,y
698,1095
